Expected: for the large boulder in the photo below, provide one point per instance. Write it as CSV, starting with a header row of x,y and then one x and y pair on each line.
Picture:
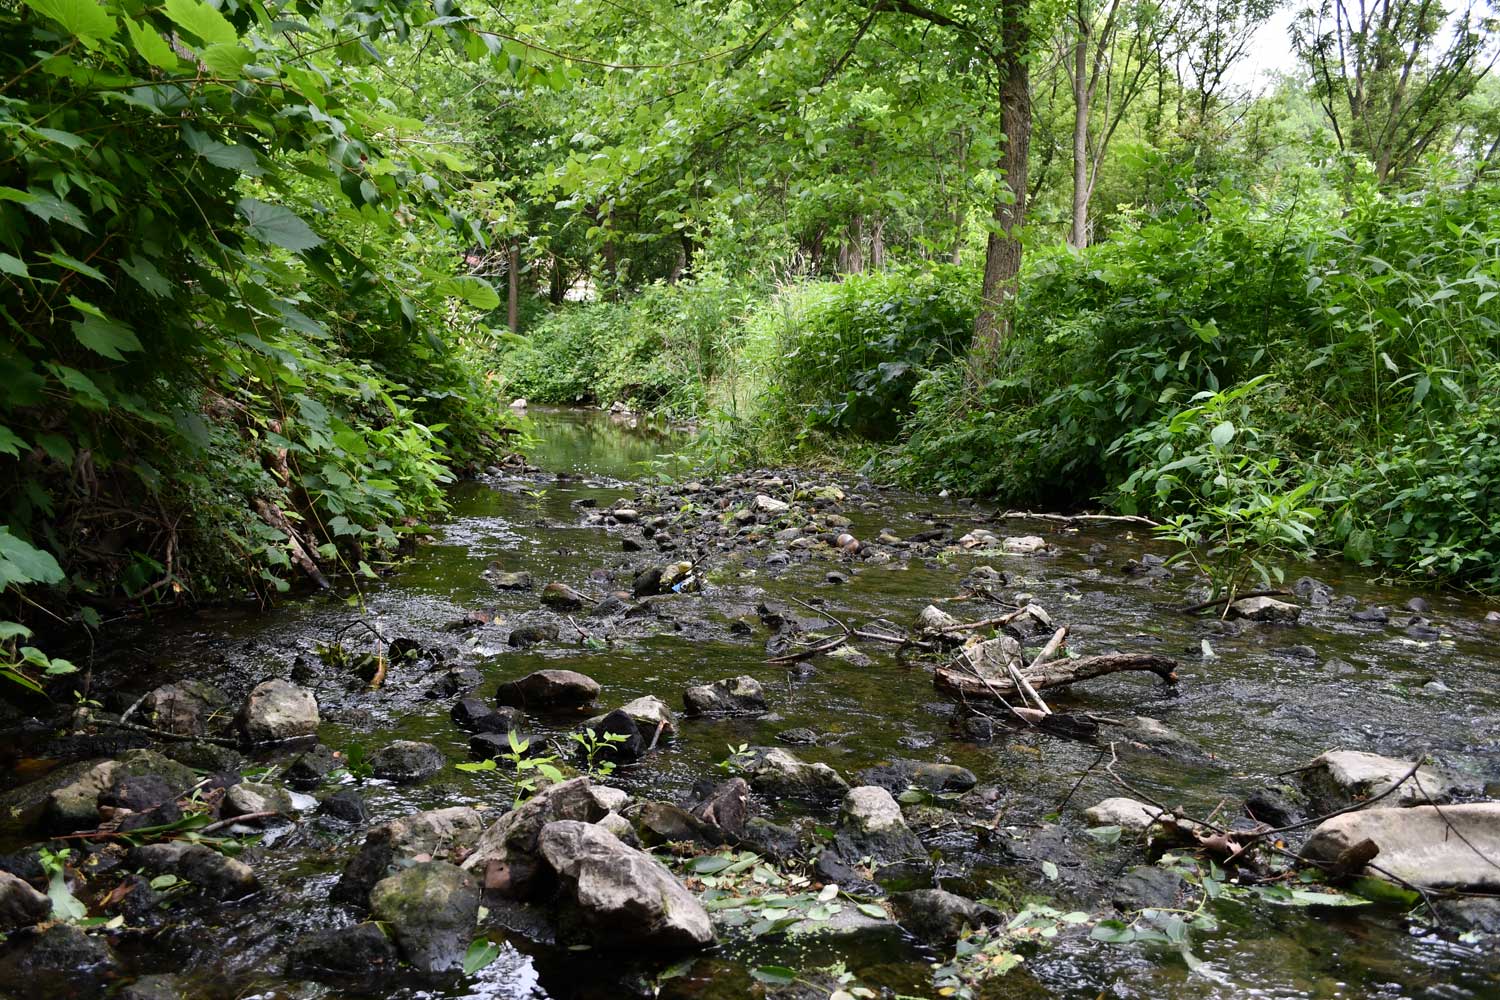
x,y
431,908
68,798
435,833
779,773
620,897
939,917
506,854
20,904
213,873
279,710
1436,847
549,689
1343,778
732,696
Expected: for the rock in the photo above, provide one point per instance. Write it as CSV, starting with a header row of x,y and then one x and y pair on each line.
x,y
871,826
769,505
549,689
212,872
800,737
156,987
65,950
1276,805
1299,652
207,757
1476,913
939,917
610,799
726,807
1157,736
1371,616
531,634
344,805
137,793
1436,847
343,953
664,823
1026,545
454,680
561,597
649,713
69,798
506,854
511,581
936,623
431,909
770,839
279,710
406,761
1128,814
1342,778
187,708
619,896
732,696
476,716
780,774
518,404
1314,592
1265,609
1147,887
899,775
435,833
249,797
626,746
20,904
308,770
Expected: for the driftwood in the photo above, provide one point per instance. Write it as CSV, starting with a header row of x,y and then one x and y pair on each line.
x,y
1059,673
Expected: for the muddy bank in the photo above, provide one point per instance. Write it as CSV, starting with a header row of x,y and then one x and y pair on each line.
x,y
670,588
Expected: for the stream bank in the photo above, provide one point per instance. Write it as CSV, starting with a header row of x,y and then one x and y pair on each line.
x,y
1253,701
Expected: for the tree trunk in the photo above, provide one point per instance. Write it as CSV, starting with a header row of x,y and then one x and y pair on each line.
x,y
877,245
556,287
852,251
513,291
1080,235
1002,262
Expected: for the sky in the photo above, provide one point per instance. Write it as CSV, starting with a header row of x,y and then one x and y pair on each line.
x,y
1270,52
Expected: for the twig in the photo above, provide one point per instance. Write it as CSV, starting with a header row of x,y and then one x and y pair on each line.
x,y
1354,807
1065,518
1005,619
895,639
1086,772
1024,686
805,654
164,734
1053,645
221,824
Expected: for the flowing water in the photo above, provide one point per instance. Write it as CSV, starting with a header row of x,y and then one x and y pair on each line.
x,y
1253,708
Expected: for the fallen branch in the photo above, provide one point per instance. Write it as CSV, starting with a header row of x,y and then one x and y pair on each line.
x,y
1048,651
1005,619
1060,673
163,734
1066,518
897,640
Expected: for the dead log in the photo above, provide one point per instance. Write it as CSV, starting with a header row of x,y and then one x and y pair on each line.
x,y
1058,673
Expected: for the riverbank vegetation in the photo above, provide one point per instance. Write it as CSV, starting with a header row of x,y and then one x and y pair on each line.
x,y
270,274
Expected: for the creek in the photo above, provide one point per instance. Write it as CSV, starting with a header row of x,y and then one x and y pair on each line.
x,y
1254,701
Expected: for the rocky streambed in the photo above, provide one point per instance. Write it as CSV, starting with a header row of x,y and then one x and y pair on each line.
x,y
777,734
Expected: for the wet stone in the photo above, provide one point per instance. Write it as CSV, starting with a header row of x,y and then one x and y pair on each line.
x,y
1371,616
20,904
155,987
279,710
475,715
454,680
561,597
65,950
309,769
344,805
407,761
938,917
549,689
532,634
1265,609
1147,887
732,696
343,953
431,909
216,875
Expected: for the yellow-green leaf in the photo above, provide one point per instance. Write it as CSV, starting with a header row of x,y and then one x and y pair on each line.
x,y
84,18
153,48
200,19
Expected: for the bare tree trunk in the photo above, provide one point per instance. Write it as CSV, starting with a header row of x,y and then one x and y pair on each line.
x,y
877,245
1002,263
852,251
513,290
1080,235
556,288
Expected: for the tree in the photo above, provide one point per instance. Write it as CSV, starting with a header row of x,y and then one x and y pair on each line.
x,y
1389,81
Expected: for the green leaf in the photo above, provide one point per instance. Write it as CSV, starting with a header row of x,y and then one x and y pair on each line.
x,y
1105,834
238,158
145,274
277,225
225,59
21,562
708,864
476,292
1049,869
50,208
65,905
1222,434
10,444
106,337
481,952
775,975
200,19
84,18
13,630
13,265
1378,890
871,910
152,47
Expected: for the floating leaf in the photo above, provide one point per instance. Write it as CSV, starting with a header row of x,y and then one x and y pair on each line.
x,y
481,952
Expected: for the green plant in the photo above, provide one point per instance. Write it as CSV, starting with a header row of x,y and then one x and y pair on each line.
x,y
65,905
596,748
529,769
739,757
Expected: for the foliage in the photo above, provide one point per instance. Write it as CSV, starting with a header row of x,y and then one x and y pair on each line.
x,y
531,769
596,749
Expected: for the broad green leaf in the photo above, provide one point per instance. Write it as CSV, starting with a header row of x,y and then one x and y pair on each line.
x,y
481,952
50,208
22,562
65,905
13,265
84,18
106,337
13,630
776,975
708,864
200,19
239,158
145,274
10,443
1222,434
477,292
152,47
277,225
225,59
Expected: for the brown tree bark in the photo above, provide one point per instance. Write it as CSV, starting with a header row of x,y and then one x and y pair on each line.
x,y
513,288
1081,99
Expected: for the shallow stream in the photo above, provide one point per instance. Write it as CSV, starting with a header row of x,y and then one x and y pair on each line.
x,y
1254,705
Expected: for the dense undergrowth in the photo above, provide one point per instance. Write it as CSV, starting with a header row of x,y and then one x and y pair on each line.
x,y
1327,376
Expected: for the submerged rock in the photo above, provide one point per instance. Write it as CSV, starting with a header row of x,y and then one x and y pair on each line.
x,y
1147,887
532,633
549,689
406,761
279,710
619,896
1342,778
938,917
431,908
65,950
1436,847
477,716
732,696
343,953
308,770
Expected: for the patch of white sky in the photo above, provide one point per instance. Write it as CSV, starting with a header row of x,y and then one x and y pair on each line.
x,y
1269,54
